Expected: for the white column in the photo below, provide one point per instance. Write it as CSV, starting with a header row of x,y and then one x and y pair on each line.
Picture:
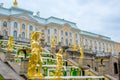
x,y
27,27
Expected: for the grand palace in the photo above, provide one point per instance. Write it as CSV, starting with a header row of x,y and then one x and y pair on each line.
x,y
18,22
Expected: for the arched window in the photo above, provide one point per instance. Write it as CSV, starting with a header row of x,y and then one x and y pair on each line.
x,y
15,24
86,43
66,33
76,41
62,40
30,27
4,33
42,30
61,32
95,68
48,39
101,61
91,42
66,41
115,68
15,34
23,26
23,35
70,34
56,39
70,41
48,31
76,35
55,31
5,24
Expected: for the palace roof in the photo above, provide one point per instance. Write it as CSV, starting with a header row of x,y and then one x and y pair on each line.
x,y
94,35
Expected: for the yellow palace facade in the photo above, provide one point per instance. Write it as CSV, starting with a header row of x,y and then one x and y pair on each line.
x,y
20,23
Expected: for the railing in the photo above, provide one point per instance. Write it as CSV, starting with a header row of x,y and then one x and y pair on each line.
x,y
22,40
17,39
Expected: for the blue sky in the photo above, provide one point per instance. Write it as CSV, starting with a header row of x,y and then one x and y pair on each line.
x,y
97,16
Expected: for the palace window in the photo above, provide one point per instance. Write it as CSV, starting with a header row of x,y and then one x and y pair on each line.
x,y
70,34
66,33
95,42
66,41
86,41
115,68
42,30
4,33
55,31
36,29
99,44
15,34
5,24
31,27
76,41
99,48
56,39
15,24
23,35
62,40
70,41
48,39
48,31
76,35
61,32
23,26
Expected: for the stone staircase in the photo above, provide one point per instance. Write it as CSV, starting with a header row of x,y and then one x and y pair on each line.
x,y
8,73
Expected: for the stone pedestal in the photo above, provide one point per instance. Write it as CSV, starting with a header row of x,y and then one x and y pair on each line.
x,y
24,66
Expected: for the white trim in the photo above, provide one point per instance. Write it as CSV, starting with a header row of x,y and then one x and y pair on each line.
x,y
75,77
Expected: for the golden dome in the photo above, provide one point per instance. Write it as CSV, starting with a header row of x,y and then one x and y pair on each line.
x,y
15,3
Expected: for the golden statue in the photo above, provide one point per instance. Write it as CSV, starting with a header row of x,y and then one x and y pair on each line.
x,y
10,44
53,42
59,63
35,60
81,55
82,52
75,47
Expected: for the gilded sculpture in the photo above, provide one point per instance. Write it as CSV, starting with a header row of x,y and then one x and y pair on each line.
x,y
10,44
75,47
53,42
82,52
59,66
35,60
